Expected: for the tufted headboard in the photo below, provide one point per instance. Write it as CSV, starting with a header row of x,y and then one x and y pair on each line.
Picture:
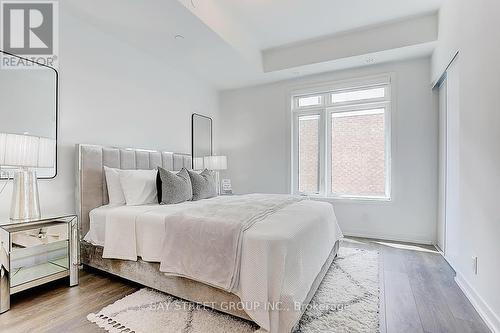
x,y
91,189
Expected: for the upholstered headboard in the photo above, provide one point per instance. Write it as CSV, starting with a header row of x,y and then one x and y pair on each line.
x,y
91,189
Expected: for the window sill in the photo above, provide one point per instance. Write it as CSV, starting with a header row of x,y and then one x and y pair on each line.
x,y
321,197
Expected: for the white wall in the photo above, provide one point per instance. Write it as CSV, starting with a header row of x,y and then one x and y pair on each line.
x,y
254,131
479,177
112,94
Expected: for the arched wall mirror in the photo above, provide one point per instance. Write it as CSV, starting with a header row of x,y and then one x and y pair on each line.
x,y
29,104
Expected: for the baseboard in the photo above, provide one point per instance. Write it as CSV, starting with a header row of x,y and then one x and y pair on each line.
x,y
450,262
447,258
405,239
489,317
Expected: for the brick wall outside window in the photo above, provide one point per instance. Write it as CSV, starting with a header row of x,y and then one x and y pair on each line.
x,y
358,155
308,154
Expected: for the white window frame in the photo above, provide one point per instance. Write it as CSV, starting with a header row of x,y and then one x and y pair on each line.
x,y
324,111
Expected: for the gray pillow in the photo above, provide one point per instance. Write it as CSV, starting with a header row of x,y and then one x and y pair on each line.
x,y
203,184
175,188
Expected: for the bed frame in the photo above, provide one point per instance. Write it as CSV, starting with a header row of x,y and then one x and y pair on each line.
x,y
91,192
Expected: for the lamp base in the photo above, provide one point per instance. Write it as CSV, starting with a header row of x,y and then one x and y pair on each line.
x,y
25,202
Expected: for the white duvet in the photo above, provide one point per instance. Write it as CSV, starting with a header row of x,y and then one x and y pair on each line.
x,y
281,254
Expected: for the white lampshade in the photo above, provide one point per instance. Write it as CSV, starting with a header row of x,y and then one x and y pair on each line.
x,y
198,163
215,162
27,151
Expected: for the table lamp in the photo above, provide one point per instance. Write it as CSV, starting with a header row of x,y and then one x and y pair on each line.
x,y
198,163
215,163
24,153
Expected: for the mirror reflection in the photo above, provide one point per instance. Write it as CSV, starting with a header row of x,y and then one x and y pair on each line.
x,y
28,105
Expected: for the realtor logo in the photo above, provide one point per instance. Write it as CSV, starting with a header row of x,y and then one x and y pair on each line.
x,y
29,30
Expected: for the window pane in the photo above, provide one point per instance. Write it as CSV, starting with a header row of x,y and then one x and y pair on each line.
x,y
358,95
309,101
358,153
309,154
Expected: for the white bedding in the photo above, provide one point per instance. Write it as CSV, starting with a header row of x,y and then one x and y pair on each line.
x,y
149,234
211,251
280,258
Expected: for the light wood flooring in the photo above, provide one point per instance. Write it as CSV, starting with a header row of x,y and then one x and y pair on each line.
x,y
418,294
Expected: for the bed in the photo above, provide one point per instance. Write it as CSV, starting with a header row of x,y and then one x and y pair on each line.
x,y
282,260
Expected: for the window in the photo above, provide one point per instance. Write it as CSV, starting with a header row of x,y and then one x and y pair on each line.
x,y
341,148
309,154
358,153
358,95
306,101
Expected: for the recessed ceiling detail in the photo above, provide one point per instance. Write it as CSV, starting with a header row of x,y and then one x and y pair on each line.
x,y
275,23
233,44
390,36
280,38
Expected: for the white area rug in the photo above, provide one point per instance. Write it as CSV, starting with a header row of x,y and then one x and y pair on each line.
x,y
347,301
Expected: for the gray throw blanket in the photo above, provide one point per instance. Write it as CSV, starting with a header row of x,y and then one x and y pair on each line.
x,y
204,243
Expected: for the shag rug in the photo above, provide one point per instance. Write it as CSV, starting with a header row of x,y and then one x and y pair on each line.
x,y
347,301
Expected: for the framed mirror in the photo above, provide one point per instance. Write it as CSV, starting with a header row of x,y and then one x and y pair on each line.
x,y
201,139
29,103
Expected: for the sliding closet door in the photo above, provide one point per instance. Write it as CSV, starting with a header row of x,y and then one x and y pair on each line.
x,y
441,230
452,197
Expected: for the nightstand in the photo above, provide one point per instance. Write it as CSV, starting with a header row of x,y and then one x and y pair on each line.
x,y
35,252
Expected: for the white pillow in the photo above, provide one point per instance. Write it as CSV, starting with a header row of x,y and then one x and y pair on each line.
x,y
115,192
139,186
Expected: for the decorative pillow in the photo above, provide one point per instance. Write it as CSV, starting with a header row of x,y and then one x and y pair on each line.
x,y
139,186
175,188
203,184
115,191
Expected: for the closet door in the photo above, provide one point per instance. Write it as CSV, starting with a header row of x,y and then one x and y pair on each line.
x,y
441,228
452,198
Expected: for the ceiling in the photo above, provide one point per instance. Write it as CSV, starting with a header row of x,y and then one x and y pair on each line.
x,y
150,27
224,39
279,22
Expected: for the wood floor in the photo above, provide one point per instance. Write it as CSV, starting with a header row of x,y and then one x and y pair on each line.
x,y
418,294
418,291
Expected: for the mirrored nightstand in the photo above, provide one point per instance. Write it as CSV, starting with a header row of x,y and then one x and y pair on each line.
x,y
35,252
